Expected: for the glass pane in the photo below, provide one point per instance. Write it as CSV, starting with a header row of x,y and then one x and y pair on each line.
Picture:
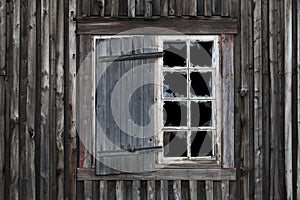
x,y
201,54
175,113
174,54
201,143
201,113
175,84
175,144
201,84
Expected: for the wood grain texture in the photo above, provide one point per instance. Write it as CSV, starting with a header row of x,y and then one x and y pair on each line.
x,y
228,95
164,8
298,103
109,27
193,7
2,37
258,115
148,8
207,8
288,60
209,187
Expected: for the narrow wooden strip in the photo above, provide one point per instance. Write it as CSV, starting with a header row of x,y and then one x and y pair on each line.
x,y
114,8
225,8
151,190
109,27
193,190
200,7
164,174
288,46
59,103
131,8
209,186
139,7
2,133
2,37
171,8
45,97
13,88
156,7
207,8
101,5
120,190
136,185
164,190
179,7
258,115
86,8
193,7
31,101
216,7
70,134
225,190
94,8
103,190
177,190
107,7
228,95
111,190
148,8
298,86
164,8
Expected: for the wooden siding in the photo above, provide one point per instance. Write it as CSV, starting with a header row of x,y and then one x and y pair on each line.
x,y
37,144
38,141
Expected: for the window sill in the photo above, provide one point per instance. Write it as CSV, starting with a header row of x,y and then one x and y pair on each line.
x,y
163,174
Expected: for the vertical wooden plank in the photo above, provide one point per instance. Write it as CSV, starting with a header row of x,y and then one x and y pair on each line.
x,y
151,190
216,7
171,8
217,190
31,101
70,136
179,7
114,8
59,100
265,100
45,97
86,8
193,7
201,190
13,66
103,190
298,104
94,8
148,8
207,8
185,190
228,95
209,186
225,190
200,7
2,37
120,190
107,7
2,136
131,8
193,190
164,190
136,185
156,7
52,84
139,7
288,42
111,190
233,190
177,190
123,9
225,8
258,118
164,8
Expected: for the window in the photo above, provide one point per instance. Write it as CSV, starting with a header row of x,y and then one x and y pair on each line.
x,y
188,99
163,102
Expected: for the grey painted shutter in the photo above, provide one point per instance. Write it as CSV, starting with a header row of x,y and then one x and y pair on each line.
x,y
125,69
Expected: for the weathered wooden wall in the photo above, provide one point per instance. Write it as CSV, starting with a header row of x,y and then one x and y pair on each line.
x,y
37,68
38,149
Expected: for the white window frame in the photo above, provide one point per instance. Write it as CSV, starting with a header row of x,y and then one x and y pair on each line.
x,y
216,98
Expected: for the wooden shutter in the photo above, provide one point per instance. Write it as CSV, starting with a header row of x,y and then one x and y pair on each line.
x,y
125,68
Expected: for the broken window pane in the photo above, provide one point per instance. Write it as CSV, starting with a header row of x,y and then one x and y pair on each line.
x,y
175,113
201,113
201,84
175,144
174,54
175,84
201,54
201,143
